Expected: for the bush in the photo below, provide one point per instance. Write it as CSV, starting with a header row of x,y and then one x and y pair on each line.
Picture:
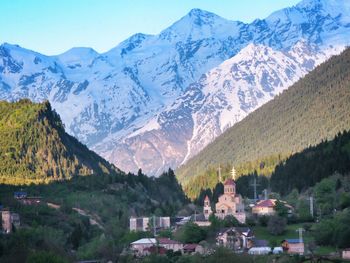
x,y
45,257
276,225
192,233
263,220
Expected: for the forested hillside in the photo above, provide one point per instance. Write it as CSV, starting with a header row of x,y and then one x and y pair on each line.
x,y
314,109
35,148
305,169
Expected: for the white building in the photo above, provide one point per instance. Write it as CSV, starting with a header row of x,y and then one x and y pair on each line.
x,y
146,223
139,245
259,251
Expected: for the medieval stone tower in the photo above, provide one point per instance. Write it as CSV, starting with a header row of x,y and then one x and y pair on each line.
x,y
207,208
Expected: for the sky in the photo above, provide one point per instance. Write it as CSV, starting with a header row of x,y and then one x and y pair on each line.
x,y
52,27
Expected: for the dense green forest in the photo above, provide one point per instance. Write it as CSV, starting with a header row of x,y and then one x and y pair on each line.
x,y
299,172
315,108
305,169
34,147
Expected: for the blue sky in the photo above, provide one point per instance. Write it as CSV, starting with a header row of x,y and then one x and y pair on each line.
x,y
54,26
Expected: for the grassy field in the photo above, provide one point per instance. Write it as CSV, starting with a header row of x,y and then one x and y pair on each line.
x,y
290,233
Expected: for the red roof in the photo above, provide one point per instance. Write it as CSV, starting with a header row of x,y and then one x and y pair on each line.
x,y
206,198
190,246
265,203
230,182
167,241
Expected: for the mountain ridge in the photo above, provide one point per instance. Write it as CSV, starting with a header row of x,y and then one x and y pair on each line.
x,y
34,147
314,109
105,98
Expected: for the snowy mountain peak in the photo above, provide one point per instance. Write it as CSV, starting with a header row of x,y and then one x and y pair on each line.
x,y
201,17
77,54
314,10
198,24
330,5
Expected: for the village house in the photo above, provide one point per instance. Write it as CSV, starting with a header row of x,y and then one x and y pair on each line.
x,y
9,220
146,246
169,244
139,246
145,223
293,246
236,238
346,254
230,203
267,207
154,250
193,249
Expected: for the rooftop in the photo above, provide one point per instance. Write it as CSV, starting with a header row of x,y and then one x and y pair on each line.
x,y
230,182
190,246
294,241
266,203
167,241
145,241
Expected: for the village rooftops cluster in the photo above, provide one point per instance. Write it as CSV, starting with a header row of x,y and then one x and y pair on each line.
x,y
238,239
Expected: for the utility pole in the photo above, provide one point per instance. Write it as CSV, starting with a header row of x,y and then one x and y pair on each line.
x,y
265,194
219,170
154,226
312,206
300,231
254,186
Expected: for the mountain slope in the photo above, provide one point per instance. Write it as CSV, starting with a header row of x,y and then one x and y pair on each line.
x,y
104,99
315,108
222,97
305,169
35,148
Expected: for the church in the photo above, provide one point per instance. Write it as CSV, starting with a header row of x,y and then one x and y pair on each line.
x,y
230,203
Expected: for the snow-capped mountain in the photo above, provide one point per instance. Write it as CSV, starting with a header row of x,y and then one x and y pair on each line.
x,y
156,100
222,97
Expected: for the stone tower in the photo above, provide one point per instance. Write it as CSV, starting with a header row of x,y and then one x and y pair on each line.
x,y
6,221
207,208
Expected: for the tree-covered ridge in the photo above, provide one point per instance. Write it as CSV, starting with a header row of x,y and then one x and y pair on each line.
x,y
305,169
210,178
35,148
314,109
